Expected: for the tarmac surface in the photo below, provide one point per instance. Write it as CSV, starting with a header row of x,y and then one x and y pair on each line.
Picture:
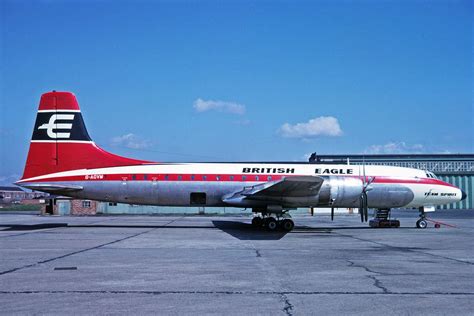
x,y
196,265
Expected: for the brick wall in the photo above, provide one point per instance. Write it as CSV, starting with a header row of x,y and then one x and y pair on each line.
x,y
83,207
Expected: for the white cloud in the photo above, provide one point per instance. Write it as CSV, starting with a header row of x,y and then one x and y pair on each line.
x,y
319,126
131,141
395,148
201,105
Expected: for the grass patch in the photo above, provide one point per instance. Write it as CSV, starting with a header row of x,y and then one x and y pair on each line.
x,y
20,207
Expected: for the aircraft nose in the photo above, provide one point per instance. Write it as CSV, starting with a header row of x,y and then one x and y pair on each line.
x,y
463,195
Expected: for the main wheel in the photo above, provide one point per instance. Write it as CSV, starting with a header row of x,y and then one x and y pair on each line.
x,y
287,224
421,223
271,224
257,221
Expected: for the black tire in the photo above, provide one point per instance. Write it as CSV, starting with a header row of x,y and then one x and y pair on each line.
x,y
271,224
287,224
257,221
421,223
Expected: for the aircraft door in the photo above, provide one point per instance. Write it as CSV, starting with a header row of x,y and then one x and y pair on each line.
x,y
197,198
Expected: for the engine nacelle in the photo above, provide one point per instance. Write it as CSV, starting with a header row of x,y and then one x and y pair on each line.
x,y
346,192
340,192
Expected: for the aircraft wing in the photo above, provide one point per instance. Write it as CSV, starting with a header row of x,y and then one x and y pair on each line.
x,y
298,186
287,187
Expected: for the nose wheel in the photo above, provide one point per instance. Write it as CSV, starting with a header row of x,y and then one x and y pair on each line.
x,y
421,223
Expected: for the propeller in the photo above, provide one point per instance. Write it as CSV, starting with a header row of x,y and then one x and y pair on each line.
x,y
363,204
363,208
332,213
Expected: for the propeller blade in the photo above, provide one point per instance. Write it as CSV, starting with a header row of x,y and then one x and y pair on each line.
x,y
366,212
363,165
361,208
366,207
332,213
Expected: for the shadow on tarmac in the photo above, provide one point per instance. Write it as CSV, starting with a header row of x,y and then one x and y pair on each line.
x,y
239,230
244,231
33,227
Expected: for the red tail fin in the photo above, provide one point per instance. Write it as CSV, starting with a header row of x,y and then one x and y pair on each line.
x,y
60,141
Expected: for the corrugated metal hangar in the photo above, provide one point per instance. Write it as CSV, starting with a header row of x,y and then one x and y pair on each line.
x,y
457,169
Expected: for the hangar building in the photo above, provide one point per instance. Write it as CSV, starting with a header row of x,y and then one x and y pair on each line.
x,y
457,169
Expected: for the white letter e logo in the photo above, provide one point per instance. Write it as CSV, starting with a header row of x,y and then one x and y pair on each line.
x,y
51,126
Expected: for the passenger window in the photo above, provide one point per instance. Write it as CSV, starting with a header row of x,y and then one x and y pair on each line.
x,y
256,178
244,178
166,177
145,177
192,177
180,177
134,177
269,178
231,178
218,178
204,178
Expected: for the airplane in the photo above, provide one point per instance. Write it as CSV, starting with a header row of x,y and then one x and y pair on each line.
x,y
63,160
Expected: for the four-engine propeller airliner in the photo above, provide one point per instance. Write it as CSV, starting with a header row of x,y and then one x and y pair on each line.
x,y
63,160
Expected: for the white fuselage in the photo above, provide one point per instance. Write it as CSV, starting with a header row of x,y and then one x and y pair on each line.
x,y
173,184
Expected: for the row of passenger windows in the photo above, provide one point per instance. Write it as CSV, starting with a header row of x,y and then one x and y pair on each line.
x,y
200,177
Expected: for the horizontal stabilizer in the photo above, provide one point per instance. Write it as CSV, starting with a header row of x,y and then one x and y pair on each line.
x,y
52,188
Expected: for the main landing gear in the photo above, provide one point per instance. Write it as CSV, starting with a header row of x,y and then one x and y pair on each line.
x,y
273,222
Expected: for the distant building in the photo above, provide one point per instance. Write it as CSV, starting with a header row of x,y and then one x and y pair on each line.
x,y
68,206
17,195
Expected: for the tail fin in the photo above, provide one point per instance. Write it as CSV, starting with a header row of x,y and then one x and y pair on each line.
x,y
60,141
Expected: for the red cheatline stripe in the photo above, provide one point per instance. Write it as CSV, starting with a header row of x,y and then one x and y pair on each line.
x,y
224,178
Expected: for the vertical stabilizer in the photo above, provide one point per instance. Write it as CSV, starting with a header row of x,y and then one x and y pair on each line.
x,y
60,141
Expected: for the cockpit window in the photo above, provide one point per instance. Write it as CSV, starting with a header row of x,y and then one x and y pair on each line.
x,y
431,175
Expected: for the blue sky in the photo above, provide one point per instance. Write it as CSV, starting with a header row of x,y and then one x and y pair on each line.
x,y
243,80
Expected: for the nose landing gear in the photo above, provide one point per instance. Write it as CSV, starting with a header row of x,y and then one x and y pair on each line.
x,y
422,223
